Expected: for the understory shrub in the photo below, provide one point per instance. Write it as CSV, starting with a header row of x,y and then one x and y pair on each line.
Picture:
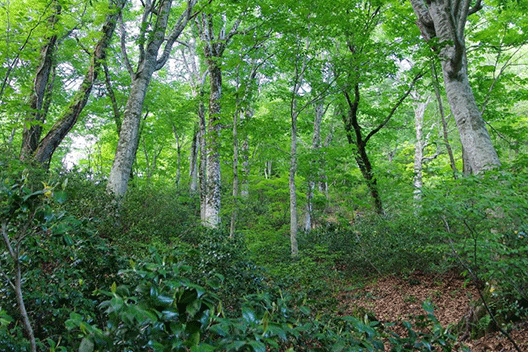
x,y
482,221
158,308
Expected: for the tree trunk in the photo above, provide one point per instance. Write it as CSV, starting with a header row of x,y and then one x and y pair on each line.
x,y
54,137
315,171
178,152
419,112
235,175
213,195
446,20
193,162
203,159
355,137
129,135
42,86
292,186
445,134
148,63
244,191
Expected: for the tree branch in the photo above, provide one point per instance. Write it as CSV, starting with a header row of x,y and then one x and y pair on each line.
x,y
123,47
395,107
180,25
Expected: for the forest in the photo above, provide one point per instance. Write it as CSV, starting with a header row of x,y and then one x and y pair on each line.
x,y
263,175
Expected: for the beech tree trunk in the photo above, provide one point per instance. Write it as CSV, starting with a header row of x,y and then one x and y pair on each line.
x,y
446,20
420,144
293,188
213,182
193,163
214,47
129,134
148,63
315,172
236,187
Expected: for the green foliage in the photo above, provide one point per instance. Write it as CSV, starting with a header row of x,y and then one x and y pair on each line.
x,y
483,223
62,260
216,255
159,308
379,245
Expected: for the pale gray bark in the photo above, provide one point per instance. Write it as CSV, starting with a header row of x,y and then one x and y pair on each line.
x,y
235,174
214,47
244,189
203,158
445,132
419,147
193,162
319,110
446,20
178,153
213,182
197,82
148,63
300,69
13,248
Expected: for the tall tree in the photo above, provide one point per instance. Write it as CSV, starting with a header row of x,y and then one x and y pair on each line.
x,y
442,23
214,47
153,27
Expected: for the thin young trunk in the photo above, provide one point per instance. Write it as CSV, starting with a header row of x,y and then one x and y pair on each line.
x,y
293,188
294,113
315,171
235,175
419,112
203,159
193,163
445,133
446,20
355,137
113,100
178,161
17,286
244,191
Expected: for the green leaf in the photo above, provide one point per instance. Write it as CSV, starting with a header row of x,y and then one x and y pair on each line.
x,y
257,346
248,314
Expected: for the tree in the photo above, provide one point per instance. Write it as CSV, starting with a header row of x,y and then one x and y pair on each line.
x,y
60,129
214,47
154,24
442,24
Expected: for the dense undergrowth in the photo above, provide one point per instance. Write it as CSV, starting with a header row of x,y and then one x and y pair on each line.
x,y
145,276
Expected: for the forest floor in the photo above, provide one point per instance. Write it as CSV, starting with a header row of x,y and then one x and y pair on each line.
x,y
397,299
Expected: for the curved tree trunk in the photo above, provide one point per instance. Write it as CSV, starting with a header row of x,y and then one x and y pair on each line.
x,y
446,20
41,87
